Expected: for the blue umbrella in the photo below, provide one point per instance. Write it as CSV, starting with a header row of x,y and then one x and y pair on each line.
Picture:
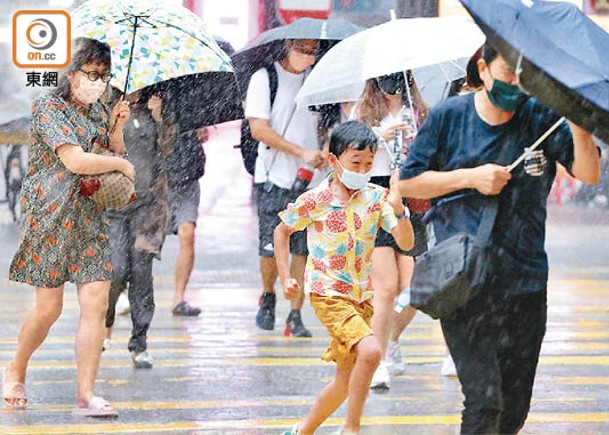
x,y
562,55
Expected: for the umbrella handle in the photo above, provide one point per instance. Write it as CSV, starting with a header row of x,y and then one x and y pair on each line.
x,y
113,126
536,144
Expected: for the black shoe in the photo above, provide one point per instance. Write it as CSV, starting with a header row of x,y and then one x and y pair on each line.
x,y
265,319
294,326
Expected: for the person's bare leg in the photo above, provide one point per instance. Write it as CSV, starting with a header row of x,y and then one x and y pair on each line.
x,y
109,332
268,270
399,321
369,355
331,397
297,269
34,330
185,260
93,300
385,284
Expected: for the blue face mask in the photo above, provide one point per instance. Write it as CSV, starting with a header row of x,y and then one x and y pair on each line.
x,y
506,96
354,180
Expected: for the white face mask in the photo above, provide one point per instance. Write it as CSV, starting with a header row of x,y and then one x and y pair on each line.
x,y
89,92
354,180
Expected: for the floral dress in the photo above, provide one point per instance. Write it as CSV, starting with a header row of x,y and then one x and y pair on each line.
x,y
63,234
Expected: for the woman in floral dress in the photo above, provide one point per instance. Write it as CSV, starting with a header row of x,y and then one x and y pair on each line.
x,y
63,232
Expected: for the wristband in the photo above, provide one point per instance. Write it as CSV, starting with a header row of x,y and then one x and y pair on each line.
x,y
405,215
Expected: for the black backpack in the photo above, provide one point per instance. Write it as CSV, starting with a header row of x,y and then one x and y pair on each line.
x,y
249,145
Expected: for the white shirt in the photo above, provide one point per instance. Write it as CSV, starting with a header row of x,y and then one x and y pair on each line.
x,y
271,165
383,156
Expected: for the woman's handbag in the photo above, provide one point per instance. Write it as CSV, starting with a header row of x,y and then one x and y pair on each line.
x,y
453,271
111,189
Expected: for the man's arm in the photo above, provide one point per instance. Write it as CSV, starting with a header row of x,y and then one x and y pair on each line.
x,y
281,241
587,160
263,132
488,179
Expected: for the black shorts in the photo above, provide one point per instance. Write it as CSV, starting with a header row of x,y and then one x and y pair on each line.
x,y
385,239
270,203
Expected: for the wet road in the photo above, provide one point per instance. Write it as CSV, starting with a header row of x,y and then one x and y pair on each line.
x,y
217,374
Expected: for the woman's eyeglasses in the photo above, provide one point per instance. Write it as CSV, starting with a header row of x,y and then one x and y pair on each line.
x,y
94,75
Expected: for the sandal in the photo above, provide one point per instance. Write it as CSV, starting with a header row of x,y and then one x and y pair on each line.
x,y
183,309
98,407
13,394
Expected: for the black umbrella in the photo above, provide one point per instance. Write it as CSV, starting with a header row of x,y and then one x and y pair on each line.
x,y
562,55
268,47
199,100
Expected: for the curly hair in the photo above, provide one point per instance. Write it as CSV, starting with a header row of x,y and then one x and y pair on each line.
x,y
85,50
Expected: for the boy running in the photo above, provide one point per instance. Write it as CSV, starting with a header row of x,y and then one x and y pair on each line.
x,y
342,216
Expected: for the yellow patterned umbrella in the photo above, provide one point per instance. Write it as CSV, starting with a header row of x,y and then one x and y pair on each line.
x,y
155,41
150,41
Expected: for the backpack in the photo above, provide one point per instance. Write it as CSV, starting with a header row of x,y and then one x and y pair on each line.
x,y
248,145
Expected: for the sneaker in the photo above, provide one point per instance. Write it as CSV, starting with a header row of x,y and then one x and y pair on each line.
x,y
265,319
294,326
393,359
141,360
106,344
381,379
122,304
293,431
448,367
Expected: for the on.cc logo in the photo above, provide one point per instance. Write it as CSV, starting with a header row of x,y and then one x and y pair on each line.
x,y
41,34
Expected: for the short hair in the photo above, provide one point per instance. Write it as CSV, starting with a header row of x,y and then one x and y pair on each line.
x,y
488,53
85,50
354,135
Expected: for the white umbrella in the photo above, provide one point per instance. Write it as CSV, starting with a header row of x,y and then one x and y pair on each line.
x,y
436,47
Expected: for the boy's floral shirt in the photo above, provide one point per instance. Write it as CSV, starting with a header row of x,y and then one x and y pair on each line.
x,y
340,238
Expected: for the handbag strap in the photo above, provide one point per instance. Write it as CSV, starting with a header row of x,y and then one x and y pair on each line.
x,y
487,223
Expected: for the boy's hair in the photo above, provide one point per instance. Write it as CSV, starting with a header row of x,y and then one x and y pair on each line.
x,y
352,134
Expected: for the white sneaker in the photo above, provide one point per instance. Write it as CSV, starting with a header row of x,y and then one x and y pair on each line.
x,y
141,360
448,367
122,304
106,344
394,360
381,379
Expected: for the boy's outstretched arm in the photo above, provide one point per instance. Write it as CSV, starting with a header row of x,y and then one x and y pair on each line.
x,y
402,233
281,241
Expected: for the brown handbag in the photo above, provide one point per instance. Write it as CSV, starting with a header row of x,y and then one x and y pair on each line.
x,y
111,189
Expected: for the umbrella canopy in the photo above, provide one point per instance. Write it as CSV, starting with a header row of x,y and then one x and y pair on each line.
x,y
154,42
563,56
268,47
441,46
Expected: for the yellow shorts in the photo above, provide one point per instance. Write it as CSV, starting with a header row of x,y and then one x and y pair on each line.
x,y
347,321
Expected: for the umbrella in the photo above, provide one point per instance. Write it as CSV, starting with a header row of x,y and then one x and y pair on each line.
x,y
562,56
155,42
435,48
268,47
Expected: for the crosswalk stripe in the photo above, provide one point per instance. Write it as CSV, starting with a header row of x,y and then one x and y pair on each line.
x,y
411,420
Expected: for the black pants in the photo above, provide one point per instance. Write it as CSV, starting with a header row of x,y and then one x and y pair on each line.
x,y
132,266
495,342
